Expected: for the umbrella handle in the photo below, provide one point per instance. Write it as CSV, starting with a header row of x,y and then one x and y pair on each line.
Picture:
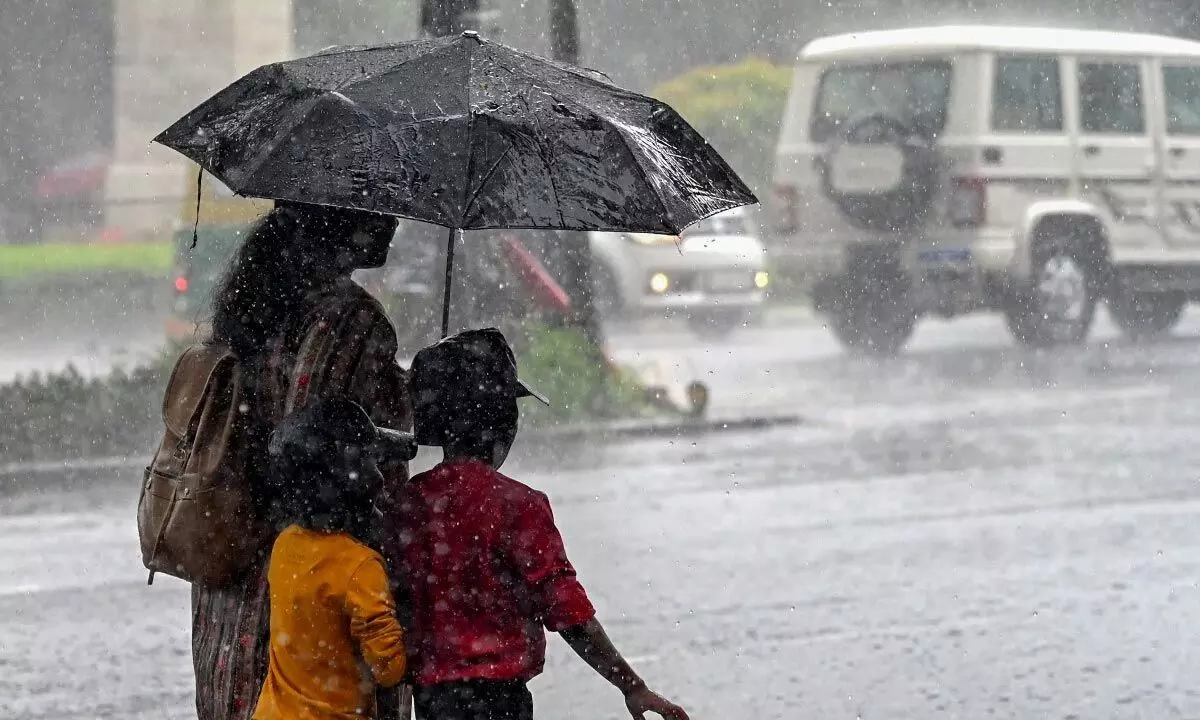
x,y
448,283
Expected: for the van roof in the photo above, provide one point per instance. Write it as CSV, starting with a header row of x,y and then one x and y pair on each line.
x,y
990,38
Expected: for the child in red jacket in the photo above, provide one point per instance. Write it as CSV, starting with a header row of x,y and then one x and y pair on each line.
x,y
480,552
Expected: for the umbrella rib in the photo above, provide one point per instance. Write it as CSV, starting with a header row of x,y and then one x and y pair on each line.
x,y
534,82
462,213
541,153
280,136
615,123
483,183
619,127
577,70
392,69
347,49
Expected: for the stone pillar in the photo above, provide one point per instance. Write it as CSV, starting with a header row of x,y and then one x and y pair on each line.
x,y
169,56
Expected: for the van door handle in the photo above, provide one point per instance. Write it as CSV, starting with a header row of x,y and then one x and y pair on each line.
x,y
1091,150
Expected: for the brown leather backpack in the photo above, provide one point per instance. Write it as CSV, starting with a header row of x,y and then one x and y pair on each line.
x,y
196,515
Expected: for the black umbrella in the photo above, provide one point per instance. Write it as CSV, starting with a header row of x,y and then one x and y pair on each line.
x,y
463,133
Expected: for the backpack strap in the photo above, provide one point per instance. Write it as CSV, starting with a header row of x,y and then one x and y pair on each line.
x,y
316,349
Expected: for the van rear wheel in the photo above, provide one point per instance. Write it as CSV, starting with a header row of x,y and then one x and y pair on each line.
x,y
1143,315
877,329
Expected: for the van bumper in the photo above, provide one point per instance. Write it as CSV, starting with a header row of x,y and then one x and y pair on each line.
x,y
949,274
984,252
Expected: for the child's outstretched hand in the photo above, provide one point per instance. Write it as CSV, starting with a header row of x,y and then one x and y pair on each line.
x,y
593,645
644,700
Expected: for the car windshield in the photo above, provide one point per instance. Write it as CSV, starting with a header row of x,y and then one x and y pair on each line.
x,y
723,224
914,93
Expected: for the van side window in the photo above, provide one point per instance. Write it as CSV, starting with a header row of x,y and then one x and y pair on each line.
x,y
1027,95
1181,88
1110,98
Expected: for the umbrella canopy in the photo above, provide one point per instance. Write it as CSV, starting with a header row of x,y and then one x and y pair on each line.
x,y
461,132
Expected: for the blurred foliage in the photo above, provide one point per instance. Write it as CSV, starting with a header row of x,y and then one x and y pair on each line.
x,y
559,364
65,416
18,261
738,109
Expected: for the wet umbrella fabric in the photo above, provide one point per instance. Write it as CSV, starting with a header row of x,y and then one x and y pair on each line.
x,y
463,133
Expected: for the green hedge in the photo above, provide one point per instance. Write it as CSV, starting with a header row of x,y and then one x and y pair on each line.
x,y
23,261
65,416
738,108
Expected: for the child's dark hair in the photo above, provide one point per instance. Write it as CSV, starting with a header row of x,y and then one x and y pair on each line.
x,y
317,479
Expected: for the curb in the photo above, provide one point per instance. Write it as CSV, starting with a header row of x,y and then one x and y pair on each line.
x,y
42,467
13,473
646,429
67,475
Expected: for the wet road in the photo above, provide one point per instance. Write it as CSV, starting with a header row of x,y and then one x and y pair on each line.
x,y
969,531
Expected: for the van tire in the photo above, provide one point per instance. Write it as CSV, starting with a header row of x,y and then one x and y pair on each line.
x,y
868,308
877,328
1144,315
1058,303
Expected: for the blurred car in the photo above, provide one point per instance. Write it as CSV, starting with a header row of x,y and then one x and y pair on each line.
x,y
714,275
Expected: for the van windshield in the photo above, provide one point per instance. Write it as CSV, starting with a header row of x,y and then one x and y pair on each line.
x,y
913,93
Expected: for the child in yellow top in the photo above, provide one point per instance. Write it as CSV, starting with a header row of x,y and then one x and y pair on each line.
x,y
334,633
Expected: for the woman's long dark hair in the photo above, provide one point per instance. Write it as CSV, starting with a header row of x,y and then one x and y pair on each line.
x,y
265,290
264,287
295,249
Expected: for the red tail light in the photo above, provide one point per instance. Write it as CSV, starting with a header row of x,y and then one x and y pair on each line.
x,y
787,206
968,202
181,284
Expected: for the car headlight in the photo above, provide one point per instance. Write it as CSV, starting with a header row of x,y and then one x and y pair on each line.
x,y
762,279
660,283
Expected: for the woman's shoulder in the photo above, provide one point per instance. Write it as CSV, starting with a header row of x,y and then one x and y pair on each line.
x,y
347,295
347,309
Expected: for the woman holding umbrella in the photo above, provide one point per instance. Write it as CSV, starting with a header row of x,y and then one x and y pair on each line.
x,y
301,329
458,132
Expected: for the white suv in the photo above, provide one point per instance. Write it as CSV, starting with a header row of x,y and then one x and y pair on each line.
x,y
954,169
